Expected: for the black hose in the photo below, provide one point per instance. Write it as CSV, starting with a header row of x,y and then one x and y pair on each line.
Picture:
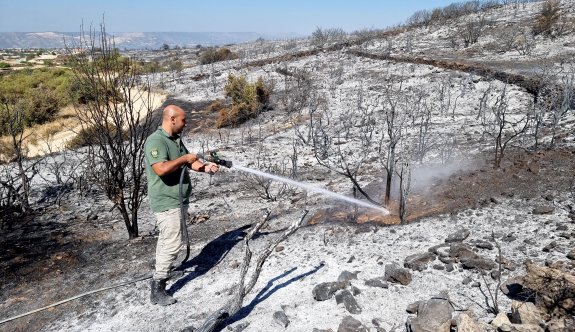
x,y
183,226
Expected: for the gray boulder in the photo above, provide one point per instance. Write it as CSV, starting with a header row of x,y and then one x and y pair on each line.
x,y
434,315
478,263
325,291
380,282
348,301
347,276
461,251
458,236
281,319
543,210
418,262
350,324
398,275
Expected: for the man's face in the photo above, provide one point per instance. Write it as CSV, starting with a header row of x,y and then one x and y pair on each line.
x,y
178,122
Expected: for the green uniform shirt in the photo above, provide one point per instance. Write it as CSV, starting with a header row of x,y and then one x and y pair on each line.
x,y
164,191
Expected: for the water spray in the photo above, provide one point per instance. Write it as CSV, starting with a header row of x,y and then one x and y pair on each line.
x,y
312,188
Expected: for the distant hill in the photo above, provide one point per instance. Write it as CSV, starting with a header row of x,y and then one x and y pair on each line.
x,y
134,40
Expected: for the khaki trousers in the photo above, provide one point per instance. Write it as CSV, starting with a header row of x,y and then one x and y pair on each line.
x,y
169,241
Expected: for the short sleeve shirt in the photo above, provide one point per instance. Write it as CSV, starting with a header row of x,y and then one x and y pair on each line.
x,y
164,191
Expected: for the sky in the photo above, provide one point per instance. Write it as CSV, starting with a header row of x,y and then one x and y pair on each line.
x,y
261,16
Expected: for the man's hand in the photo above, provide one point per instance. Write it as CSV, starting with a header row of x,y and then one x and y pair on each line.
x,y
191,158
211,168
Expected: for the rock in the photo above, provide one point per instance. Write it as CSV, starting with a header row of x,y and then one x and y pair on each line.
x,y
550,246
348,301
512,286
377,322
571,254
543,210
418,262
533,168
458,236
479,263
412,308
380,282
439,249
347,276
525,313
508,238
279,248
495,274
396,274
350,324
449,267
325,291
240,327
467,324
555,289
562,228
320,330
506,263
355,291
432,315
446,259
505,328
500,320
561,324
466,281
526,328
461,251
281,319
481,244
438,267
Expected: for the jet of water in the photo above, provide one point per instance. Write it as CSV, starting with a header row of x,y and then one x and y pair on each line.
x,y
311,188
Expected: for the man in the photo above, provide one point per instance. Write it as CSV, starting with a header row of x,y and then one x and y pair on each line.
x,y
165,157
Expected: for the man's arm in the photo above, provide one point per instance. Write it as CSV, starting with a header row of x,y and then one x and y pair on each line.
x,y
211,168
166,167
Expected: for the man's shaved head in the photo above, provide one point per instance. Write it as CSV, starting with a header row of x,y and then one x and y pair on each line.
x,y
170,111
173,119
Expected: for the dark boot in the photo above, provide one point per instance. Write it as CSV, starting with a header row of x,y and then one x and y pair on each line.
x,y
175,274
159,295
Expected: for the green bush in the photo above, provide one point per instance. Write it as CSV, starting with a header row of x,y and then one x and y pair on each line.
x,y
17,83
212,55
38,93
4,65
248,100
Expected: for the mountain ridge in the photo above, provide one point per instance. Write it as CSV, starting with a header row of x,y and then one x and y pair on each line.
x,y
135,40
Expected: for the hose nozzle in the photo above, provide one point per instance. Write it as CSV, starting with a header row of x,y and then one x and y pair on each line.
x,y
215,158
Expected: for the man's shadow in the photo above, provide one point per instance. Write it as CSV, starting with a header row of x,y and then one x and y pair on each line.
x,y
265,293
209,256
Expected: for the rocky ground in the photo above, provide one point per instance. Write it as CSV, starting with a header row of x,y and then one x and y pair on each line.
x,y
73,248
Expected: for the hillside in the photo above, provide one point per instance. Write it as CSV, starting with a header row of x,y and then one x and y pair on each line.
x,y
476,219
